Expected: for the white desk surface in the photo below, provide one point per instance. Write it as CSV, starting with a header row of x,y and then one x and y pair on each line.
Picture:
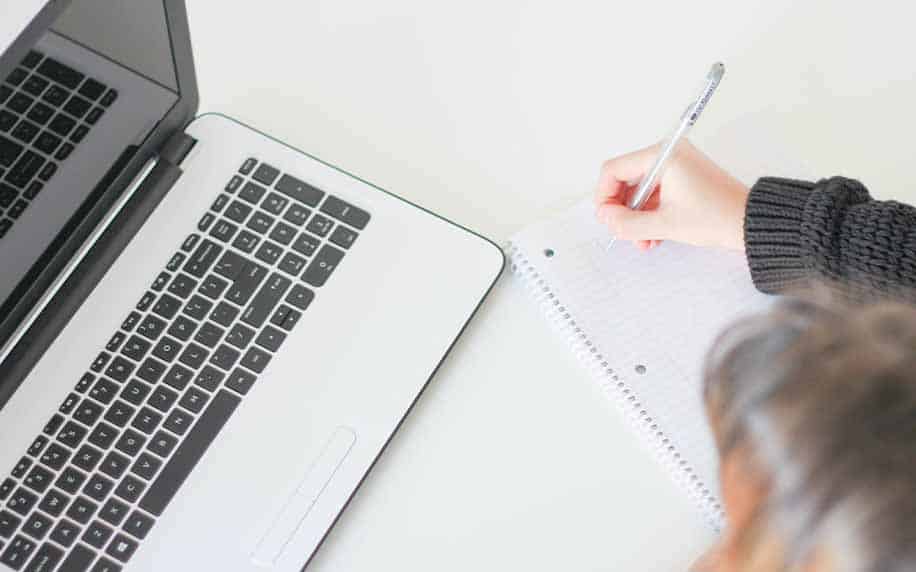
x,y
493,113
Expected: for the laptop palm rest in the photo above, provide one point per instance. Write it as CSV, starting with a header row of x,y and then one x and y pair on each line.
x,y
297,508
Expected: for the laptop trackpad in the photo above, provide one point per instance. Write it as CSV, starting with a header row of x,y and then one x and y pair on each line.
x,y
297,508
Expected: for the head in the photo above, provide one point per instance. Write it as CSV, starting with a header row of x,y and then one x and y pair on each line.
x,y
813,407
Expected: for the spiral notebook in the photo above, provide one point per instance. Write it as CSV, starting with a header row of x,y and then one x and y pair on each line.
x,y
641,323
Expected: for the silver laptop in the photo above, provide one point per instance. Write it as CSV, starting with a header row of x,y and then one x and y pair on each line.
x,y
207,337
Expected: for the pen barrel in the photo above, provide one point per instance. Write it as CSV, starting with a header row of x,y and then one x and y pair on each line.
x,y
647,185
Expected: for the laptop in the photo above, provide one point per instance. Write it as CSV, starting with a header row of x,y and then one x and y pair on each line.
x,y
208,337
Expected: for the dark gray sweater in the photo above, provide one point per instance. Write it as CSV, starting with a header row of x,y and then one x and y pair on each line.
x,y
833,231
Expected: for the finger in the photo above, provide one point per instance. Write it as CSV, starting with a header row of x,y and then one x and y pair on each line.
x,y
621,172
628,224
644,245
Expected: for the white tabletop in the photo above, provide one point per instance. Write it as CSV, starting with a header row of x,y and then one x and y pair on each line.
x,y
492,114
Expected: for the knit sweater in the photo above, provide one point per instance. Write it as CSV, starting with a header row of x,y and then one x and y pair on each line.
x,y
797,232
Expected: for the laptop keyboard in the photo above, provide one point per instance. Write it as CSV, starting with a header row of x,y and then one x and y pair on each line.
x,y
110,460
46,109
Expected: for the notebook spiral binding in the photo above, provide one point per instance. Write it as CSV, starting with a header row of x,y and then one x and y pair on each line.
x,y
626,400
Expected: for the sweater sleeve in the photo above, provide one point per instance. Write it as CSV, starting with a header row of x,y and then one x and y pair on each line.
x,y
796,232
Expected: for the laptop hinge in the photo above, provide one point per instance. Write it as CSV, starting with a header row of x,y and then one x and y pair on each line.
x,y
177,148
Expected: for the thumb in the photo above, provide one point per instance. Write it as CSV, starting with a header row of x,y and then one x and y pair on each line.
x,y
627,224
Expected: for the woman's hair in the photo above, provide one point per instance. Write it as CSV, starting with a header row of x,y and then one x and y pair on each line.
x,y
822,398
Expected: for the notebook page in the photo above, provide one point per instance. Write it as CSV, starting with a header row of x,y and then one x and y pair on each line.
x,y
651,316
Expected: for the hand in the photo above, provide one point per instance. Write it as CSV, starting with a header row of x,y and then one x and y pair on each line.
x,y
696,202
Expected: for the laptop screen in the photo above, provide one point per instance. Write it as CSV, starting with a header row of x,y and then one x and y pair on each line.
x,y
76,105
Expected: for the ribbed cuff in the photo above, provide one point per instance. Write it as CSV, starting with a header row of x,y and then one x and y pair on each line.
x,y
773,233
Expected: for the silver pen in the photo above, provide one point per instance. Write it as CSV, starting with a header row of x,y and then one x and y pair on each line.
x,y
693,111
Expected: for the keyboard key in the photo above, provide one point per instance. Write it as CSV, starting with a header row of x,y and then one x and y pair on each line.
x,y
225,357
40,113
178,421
146,301
130,443
21,501
270,338
306,244
163,444
230,265
7,120
47,143
292,264
194,356
98,487
147,421
269,252
205,222
65,533
151,370
114,512
178,377
39,479
238,211
299,190
104,391
35,85
266,174
297,214
31,59
146,466
220,203
122,548
37,526
134,392
91,89
56,421
322,266
60,73
106,565
167,349
136,348
103,435
248,165
17,76
131,322
97,534
274,203
260,222
33,189
70,480
55,457
109,97
55,95
209,378
22,467
246,241
93,117
77,106
119,414
18,552
6,487
255,359
198,307
138,525
240,336
62,125
114,344
246,283
54,502
162,399
20,103
343,237
26,131
5,93
300,297
78,560
71,435
17,209
283,233
190,242
130,489
204,257
182,286
319,225
194,400
209,334
45,559
120,369
252,193
233,185
24,169
285,317
240,381
9,522
40,442
86,458
82,510
213,287
189,453
151,327
79,134
266,300
345,212
47,171
182,328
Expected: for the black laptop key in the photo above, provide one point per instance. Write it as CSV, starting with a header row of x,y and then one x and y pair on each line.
x,y
182,328
136,348
65,533
70,480
194,355
47,171
114,465
209,334
162,444
178,421
135,392
300,297
119,369
53,425
17,209
60,73
138,525
299,190
97,534
130,443
87,458
54,502
62,125
20,102
56,95
17,76
78,560
167,349
246,241
55,456
6,487
266,174
230,265
100,362
33,189
323,265
306,244
151,327
260,222
274,203
297,214
225,357
34,85
343,237
72,434
39,479
263,304
146,301
252,193
82,510
238,211
319,225
130,489
92,89
233,185
119,414
345,212
178,377
110,97
21,501
37,526
206,222
240,336
131,321
189,453
94,115
269,252
40,442
9,151
240,381
9,522
114,343
45,559
21,467
114,512
31,59
122,548
7,119
146,466
198,307
194,400
104,390
103,435
151,370
162,399
204,257
182,286
255,359
77,106
209,378
270,338
292,264
98,487
18,552
147,421
26,131
79,134
246,283
40,113
5,93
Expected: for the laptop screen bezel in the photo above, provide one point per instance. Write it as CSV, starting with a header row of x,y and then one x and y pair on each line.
x,y
65,247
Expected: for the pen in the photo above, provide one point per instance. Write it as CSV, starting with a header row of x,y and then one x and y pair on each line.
x,y
693,111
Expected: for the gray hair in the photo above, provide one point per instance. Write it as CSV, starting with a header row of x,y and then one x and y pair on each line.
x,y
824,398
